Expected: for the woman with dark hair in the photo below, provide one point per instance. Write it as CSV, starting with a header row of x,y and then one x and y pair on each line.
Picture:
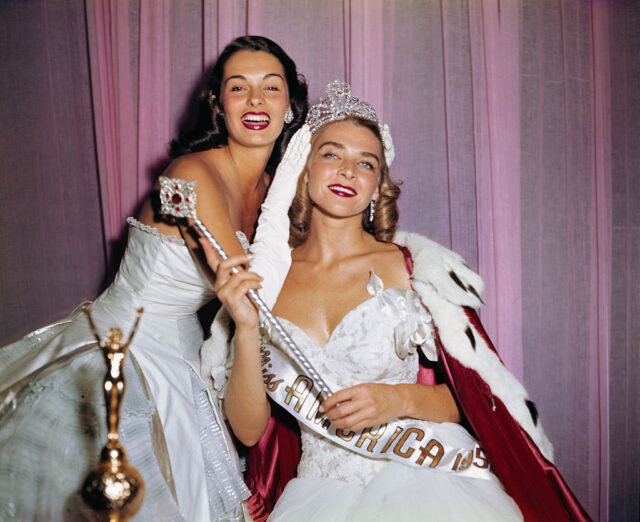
x,y
209,130
51,398
421,403
252,105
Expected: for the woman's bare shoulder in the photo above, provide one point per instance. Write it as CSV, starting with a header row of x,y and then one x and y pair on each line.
x,y
389,263
206,169
196,166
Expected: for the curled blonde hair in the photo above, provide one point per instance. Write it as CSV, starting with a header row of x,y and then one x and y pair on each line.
x,y
385,218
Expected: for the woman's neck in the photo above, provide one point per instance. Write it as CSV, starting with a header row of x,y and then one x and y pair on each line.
x,y
248,165
331,240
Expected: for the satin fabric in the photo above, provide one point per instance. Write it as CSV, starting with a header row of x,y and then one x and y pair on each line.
x,y
272,463
531,480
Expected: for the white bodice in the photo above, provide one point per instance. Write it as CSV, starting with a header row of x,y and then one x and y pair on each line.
x,y
374,342
157,272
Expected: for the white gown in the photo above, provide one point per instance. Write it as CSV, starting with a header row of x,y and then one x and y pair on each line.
x,y
52,414
335,484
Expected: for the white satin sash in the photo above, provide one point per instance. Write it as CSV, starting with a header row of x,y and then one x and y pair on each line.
x,y
409,441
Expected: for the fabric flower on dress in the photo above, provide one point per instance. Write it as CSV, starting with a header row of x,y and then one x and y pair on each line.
x,y
416,330
416,327
375,285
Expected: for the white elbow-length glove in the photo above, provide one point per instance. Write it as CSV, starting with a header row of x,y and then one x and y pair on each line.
x,y
272,255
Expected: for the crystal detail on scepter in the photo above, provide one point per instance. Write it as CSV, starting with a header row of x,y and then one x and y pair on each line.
x,y
113,489
178,199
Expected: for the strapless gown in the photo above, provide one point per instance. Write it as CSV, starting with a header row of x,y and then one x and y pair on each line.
x,y
52,413
335,484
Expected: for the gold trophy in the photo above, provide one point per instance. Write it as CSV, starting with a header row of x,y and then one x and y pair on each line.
x,y
113,489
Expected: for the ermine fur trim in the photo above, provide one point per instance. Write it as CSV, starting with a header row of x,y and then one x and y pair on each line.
x,y
444,298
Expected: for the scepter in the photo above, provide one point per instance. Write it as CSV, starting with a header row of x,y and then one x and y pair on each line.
x,y
178,199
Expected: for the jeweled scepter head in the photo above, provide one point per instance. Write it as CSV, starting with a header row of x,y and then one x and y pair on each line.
x,y
178,197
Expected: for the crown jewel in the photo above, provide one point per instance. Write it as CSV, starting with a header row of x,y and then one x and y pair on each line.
x,y
340,103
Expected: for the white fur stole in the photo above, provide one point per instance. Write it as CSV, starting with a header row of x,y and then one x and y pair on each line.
x,y
445,284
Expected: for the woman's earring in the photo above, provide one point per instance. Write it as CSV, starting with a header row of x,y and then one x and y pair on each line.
x,y
288,116
372,210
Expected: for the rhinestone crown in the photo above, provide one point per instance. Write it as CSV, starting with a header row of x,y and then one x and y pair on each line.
x,y
340,103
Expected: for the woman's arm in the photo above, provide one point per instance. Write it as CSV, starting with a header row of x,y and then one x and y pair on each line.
x,y
245,402
370,404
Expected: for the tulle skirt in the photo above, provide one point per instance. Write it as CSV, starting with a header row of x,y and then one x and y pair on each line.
x,y
399,493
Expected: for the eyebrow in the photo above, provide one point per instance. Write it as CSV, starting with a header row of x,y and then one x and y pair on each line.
x,y
342,147
241,77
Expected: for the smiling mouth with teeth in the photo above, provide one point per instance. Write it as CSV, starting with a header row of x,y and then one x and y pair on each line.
x,y
256,121
341,190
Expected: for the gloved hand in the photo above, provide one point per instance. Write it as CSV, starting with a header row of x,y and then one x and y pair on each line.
x,y
271,242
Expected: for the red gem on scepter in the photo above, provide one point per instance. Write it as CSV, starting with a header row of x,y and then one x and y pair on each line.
x,y
178,197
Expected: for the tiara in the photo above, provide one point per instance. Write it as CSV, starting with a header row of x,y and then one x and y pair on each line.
x,y
340,103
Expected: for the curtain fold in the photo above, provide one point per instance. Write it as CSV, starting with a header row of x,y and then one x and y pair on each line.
x,y
114,102
495,31
53,251
624,361
155,87
461,89
599,380
365,52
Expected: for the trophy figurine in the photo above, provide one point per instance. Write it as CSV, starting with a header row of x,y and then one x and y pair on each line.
x,y
113,489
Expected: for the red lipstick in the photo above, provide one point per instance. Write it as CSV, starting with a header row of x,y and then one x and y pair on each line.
x,y
342,190
256,120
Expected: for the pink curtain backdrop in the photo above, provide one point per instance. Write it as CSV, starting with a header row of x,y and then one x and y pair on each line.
x,y
601,222
364,50
517,138
495,61
155,85
114,100
53,251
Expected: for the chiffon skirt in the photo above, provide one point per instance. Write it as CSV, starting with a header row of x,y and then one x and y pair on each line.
x,y
397,493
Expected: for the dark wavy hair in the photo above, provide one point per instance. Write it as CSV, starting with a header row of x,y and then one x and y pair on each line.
x,y
208,130
385,218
